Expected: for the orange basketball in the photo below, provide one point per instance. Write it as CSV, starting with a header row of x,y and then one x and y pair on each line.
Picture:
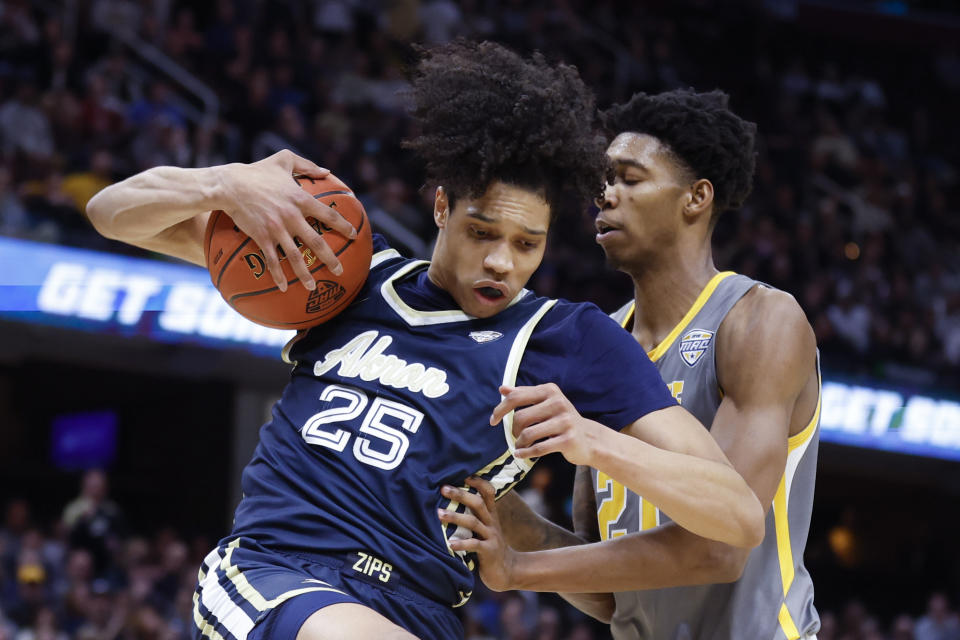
x,y
239,272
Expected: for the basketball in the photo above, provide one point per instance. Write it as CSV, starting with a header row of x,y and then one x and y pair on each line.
x,y
239,271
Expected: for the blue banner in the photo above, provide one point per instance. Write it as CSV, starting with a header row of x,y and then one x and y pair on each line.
x,y
890,419
107,293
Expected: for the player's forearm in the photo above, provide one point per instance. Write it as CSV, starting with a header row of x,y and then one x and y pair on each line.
x,y
526,530
706,497
667,556
147,204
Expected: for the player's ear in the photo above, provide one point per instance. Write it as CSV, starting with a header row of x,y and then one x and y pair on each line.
x,y
699,199
441,208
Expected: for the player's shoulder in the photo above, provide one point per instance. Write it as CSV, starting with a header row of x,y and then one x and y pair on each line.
x,y
382,248
385,257
579,313
768,319
577,322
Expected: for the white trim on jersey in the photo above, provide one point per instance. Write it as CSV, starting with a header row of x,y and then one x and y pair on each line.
x,y
218,602
382,256
796,455
417,318
510,375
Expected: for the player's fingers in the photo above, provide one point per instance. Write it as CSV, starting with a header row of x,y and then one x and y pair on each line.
x,y
321,250
468,544
272,261
537,432
487,493
465,520
304,167
329,216
295,258
531,415
538,450
538,391
514,397
474,502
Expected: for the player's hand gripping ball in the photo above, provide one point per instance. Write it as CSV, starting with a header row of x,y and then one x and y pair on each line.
x,y
239,272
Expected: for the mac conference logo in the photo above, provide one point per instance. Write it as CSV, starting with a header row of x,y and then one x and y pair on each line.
x,y
694,344
324,296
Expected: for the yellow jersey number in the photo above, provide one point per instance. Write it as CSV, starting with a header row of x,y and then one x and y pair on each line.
x,y
610,508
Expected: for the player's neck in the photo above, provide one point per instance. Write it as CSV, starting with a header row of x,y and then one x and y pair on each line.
x,y
665,291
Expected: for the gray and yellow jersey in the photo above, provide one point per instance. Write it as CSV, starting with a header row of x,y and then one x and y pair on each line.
x,y
773,599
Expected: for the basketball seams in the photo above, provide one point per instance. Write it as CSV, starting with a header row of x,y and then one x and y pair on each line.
x,y
335,193
276,306
229,260
320,266
211,226
305,324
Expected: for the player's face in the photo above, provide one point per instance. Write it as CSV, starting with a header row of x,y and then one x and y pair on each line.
x,y
640,212
488,247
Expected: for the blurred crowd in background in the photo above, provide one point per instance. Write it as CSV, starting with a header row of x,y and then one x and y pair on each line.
x,y
852,210
87,577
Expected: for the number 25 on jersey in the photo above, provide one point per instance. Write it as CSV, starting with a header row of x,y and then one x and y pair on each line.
x,y
382,444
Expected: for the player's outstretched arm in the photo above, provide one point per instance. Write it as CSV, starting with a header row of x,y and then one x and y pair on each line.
x,y
165,209
666,456
766,359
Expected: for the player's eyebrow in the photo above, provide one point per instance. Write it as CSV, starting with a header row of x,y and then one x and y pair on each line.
x,y
629,162
485,218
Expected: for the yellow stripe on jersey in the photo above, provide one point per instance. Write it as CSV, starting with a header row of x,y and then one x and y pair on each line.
x,y
648,515
796,446
657,352
701,300
787,624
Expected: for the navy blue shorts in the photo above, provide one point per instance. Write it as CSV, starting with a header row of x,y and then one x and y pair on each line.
x,y
246,592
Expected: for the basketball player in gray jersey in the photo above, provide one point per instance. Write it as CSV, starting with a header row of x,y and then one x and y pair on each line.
x,y
739,355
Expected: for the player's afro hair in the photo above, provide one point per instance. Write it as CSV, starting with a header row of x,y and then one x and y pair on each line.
x,y
487,114
702,133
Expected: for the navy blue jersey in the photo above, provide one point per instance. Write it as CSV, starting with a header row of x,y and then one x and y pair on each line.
x,y
391,400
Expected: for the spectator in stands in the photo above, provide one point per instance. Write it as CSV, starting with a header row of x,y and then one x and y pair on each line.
x,y
94,521
14,219
939,622
24,127
157,106
83,185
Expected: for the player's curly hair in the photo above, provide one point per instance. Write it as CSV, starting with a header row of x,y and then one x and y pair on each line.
x,y
701,132
487,114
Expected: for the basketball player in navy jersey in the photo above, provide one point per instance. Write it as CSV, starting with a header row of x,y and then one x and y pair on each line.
x,y
738,354
337,536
